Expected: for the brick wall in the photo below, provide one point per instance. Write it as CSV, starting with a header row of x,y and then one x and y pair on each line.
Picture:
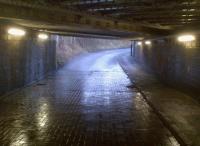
x,y
175,63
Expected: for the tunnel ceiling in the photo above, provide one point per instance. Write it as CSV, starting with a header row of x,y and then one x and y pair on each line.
x,y
115,18
168,13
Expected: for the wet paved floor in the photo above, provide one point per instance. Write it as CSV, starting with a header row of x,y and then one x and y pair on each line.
x,y
86,103
180,110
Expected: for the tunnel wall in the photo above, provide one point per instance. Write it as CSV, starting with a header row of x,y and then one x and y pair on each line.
x,y
176,64
68,47
24,60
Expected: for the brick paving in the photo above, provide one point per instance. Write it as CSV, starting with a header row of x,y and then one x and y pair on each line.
x,y
180,110
81,108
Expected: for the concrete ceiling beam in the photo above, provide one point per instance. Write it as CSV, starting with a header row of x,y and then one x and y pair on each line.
x,y
54,16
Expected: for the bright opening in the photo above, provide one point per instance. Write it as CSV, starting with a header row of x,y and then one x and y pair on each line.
x,y
43,36
148,42
16,32
186,38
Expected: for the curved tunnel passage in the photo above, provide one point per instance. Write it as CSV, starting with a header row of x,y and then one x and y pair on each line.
x,y
86,103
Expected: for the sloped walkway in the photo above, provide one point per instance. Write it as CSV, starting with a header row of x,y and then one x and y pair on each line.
x,y
86,103
180,111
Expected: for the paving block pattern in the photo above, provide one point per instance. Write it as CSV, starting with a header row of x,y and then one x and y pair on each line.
x,y
81,108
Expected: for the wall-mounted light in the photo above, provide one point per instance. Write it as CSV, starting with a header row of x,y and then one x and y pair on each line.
x,y
148,42
186,38
139,43
43,36
16,32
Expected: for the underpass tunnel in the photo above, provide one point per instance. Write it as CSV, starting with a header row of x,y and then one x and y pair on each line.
x,y
99,73
28,55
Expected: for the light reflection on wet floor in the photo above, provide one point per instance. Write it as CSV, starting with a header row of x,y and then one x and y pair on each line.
x,y
86,103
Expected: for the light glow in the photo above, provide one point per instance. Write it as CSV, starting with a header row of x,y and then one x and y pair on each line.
x,y
43,36
186,38
148,42
139,43
16,32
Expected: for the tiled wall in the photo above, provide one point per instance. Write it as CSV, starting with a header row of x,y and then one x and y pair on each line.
x,y
24,60
176,63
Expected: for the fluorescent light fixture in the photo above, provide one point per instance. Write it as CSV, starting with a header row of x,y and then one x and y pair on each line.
x,y
148,42
139,43
16,32
43,36
186,38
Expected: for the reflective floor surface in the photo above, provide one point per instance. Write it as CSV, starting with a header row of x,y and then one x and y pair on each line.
x,y
86,103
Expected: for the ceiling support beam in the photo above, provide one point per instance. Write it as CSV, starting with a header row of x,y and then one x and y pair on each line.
x,y
54,16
